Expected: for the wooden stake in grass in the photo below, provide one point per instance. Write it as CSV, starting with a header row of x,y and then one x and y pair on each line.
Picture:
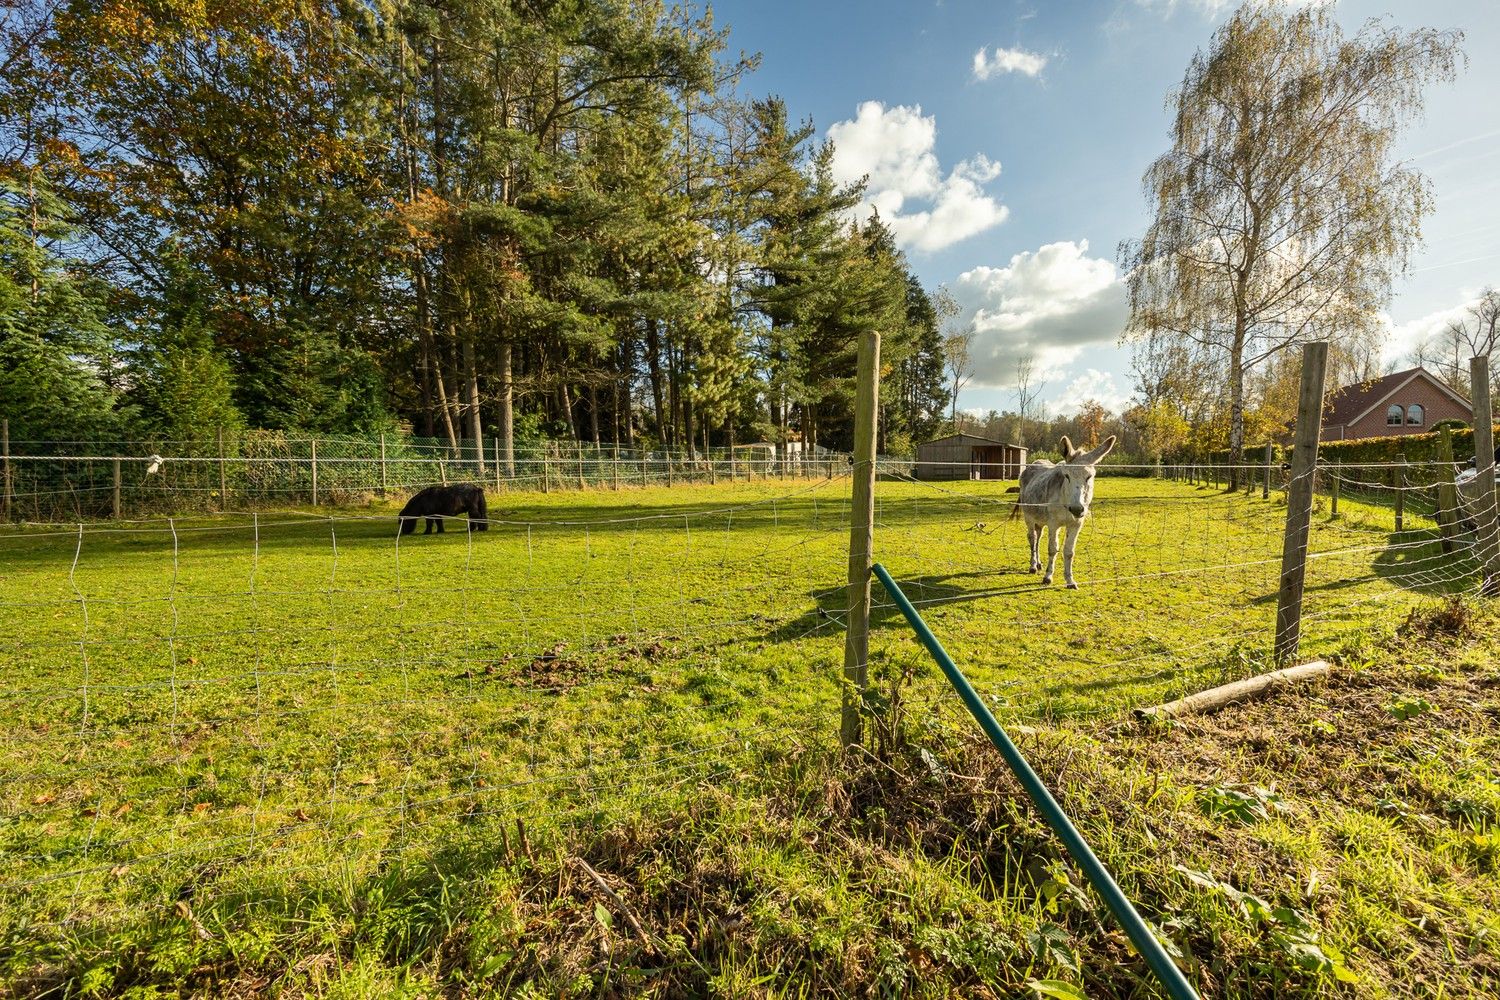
x,y
1398,481
1486,528
1299,502
5,455
861,536
1447,492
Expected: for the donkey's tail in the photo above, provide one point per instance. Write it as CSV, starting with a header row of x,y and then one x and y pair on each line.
x,y
1015,508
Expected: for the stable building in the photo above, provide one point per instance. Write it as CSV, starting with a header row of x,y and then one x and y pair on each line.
x,y
1407,402
968,456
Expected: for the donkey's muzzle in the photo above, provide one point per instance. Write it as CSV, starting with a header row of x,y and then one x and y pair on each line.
x,y
1077,510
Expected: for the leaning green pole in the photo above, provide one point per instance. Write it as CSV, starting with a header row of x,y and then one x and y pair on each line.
x,y
1145,941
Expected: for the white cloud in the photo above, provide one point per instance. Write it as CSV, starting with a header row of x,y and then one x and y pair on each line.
x,y
1402,339
1008,61
1054,303
1092,384
893,147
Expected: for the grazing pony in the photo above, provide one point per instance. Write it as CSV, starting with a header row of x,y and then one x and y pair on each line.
x,y
437,502
1058,496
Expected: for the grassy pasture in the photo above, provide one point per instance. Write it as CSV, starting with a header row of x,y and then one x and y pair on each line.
x,y
224,734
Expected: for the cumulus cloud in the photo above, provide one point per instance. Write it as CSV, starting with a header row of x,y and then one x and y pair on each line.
x,y
1001,60
893,147
1055,303
1092,384
1403,338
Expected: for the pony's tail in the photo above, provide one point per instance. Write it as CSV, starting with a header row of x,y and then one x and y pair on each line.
x,y
482,510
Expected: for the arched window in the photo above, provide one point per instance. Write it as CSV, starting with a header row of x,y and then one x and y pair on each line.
x,y
1415,415
1394,415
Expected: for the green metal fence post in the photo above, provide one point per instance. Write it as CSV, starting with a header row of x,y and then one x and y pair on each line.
x,y
1145,941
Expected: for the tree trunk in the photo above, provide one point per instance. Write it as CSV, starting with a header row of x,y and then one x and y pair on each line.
x,y
507,409
594,413
567,408
471,391
1237,406
653,363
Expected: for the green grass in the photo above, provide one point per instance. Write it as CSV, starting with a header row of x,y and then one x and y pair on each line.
x,y
287,753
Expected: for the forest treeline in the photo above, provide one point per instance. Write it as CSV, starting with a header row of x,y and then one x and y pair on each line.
x,y
466,218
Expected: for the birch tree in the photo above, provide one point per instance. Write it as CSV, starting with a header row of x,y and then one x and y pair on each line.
x,y
1281,214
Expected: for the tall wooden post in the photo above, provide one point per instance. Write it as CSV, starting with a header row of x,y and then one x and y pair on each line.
x,y
497,465
1265,480
314,472
861,537
223,475
115,505
1299,502
1447,505
1484,464
9,494
1333,488
1398,481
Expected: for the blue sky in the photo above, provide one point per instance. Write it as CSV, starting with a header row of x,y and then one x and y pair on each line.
x,y
1012,180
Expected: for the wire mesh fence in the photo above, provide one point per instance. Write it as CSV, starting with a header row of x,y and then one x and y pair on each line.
x,y
226,708
84,480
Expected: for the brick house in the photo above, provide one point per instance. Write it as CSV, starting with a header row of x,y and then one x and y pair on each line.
x,y
1408,402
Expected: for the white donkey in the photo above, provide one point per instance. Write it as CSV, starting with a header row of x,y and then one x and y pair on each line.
x,y
1057,497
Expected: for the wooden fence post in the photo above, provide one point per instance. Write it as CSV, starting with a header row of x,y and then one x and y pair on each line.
x,y
442,471
9,494
1398,480
1299,502
1447,504
861,537
497,464
223,475
1333,488
314,472
615,465
1486,528
115,506
1265,482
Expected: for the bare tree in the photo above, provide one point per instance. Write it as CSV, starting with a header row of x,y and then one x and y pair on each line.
x,y
1479,332
1280,214
958,343
1446,353
1026,393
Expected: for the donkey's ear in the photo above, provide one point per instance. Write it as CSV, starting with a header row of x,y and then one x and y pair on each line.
x,y
1097,455
1067,449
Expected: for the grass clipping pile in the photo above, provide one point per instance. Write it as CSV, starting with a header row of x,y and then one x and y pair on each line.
x,y
1338,840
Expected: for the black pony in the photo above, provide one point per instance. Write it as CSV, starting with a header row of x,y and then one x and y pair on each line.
x,y
437,502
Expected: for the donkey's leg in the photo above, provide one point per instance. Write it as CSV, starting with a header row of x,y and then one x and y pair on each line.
x,y
1069,542
428,529
1034,535
1051,552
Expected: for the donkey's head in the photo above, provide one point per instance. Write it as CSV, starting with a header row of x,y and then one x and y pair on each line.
x,y
1078,474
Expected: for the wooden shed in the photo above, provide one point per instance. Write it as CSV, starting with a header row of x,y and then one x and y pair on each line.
x,y
967,456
